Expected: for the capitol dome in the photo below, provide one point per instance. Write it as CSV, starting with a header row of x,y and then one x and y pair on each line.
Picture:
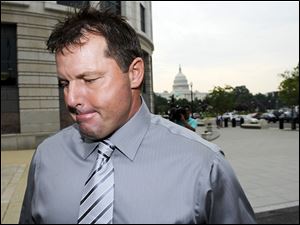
x,y
180,84
181,89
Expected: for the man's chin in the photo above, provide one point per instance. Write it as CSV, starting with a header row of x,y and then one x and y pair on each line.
x,y
89,135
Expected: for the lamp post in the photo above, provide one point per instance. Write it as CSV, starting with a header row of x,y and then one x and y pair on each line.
x,y
191,84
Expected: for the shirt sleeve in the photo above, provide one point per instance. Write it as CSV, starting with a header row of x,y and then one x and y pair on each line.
x,y
193,123
224,201
26,210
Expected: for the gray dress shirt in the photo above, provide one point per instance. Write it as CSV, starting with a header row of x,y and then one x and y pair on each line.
x,y
164,173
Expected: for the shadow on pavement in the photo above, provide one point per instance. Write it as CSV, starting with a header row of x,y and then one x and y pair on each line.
x,y
280,216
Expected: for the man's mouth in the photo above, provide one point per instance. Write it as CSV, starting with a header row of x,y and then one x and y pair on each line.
x,y
84,116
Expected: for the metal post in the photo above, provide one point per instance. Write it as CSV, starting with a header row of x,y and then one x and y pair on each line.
x,y
191,98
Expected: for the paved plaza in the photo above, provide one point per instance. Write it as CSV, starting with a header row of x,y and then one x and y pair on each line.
x,y
266,162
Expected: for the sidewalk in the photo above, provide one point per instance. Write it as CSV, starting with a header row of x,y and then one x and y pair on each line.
x,y
266,162
14,170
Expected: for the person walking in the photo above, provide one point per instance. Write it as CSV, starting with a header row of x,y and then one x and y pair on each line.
x,y
119,163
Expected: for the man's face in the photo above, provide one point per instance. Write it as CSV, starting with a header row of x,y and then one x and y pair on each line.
x,y
97,93
187,113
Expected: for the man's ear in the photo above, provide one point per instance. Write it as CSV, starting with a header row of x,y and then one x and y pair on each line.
x,y
136,73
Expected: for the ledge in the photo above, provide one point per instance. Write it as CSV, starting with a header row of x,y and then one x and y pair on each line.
x,y
251,125
210,136
23,141
16,3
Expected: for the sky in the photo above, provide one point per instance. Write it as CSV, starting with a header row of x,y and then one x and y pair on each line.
x,y
224,43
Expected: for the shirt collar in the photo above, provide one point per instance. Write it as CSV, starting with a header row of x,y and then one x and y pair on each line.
x,y
129,137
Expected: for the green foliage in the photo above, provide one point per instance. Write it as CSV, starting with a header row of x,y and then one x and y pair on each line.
x,y
261,101
239,99
243,99
161,105
221,99
289,87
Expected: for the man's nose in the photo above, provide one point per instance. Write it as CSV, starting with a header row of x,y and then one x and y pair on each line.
x,y
73,94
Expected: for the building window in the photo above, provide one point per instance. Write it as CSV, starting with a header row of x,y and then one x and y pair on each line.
x,y
111,6
8,55
76,4
142,12
10,116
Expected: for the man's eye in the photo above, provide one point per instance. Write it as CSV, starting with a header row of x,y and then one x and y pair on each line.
x,y
90,80
63,83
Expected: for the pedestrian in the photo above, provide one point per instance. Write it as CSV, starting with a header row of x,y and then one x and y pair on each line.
x,y
182,116
191,122
219,121
119,163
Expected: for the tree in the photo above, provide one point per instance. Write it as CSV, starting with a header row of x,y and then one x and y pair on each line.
x,y
161,105
221,99
242,98
261,102
289,87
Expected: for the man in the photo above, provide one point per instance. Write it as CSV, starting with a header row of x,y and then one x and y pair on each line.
x,y
188,121
152,170
182,116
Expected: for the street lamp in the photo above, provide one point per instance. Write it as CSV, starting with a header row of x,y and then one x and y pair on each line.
x,y
191,84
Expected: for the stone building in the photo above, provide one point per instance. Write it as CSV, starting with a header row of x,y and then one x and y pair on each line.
x,y
32,106
181,89
181,86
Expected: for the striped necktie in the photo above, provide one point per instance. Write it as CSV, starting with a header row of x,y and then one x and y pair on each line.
x,y
96,205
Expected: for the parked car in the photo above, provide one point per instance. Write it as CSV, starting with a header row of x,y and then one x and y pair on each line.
x,y
286,116
270,117
237,117
230,116
250,118
227,115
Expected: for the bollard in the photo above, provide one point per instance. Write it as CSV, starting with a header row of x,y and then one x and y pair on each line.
x,y
293,123
226,122
233,122
281,120
242,121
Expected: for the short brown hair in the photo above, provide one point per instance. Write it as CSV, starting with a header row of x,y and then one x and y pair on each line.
x,y
122,41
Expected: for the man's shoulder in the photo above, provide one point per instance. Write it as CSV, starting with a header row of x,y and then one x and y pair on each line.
x,y
62,136
174,142
175,134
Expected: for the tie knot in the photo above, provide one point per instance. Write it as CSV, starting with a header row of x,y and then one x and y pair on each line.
x,y
106,148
